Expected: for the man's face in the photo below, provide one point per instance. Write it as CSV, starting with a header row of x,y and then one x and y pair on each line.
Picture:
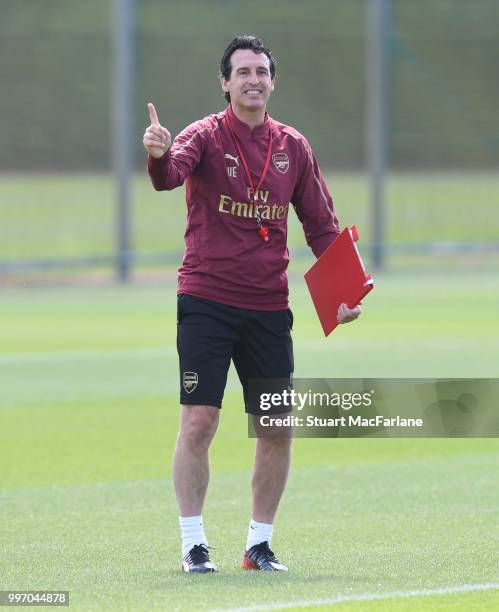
x,y
250,84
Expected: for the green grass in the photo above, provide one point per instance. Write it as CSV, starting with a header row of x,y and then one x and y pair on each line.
x,y
73,215
88,418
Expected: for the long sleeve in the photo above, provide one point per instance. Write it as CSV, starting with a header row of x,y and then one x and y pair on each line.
x,y
179,161
314,205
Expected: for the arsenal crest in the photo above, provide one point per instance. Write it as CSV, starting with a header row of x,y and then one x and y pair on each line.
x,y
281,162
190,381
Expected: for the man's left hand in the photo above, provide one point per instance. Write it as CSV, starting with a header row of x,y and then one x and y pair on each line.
x,y
345,314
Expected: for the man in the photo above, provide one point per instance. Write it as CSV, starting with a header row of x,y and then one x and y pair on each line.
x,y
241,169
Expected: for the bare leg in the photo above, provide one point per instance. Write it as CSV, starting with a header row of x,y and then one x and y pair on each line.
x,y
270,472
198,425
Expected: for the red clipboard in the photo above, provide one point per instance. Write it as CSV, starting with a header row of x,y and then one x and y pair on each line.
x,y
338,277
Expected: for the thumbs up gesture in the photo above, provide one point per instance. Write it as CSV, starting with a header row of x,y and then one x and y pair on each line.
x,y
157,139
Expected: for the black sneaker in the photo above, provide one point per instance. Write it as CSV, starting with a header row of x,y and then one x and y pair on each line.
x,y
260,557
198,560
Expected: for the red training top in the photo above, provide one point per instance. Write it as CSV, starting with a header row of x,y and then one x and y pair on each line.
x,y
225,259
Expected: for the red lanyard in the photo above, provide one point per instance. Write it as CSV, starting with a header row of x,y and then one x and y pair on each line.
x,y
263,231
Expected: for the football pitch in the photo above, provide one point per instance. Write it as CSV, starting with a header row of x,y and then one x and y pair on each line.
x,y
71,216
89,411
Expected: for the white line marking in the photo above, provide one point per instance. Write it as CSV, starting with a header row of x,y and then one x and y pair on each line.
x,y
86,355
464,588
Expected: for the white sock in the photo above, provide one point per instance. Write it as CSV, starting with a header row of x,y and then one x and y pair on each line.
x,y
259,532
192,531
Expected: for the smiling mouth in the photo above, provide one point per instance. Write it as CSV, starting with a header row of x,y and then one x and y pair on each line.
x,y
252,92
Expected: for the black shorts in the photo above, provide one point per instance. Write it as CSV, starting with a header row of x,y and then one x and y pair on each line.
x,y
210,334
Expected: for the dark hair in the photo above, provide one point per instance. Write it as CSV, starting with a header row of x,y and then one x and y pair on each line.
x,y
244,42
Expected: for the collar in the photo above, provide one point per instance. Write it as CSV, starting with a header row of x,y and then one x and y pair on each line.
x,y
243,130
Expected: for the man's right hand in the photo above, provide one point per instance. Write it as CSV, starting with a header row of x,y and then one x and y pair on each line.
x,y
157,139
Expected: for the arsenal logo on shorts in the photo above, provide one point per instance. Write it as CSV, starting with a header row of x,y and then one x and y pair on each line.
x,y
281,162
190,381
